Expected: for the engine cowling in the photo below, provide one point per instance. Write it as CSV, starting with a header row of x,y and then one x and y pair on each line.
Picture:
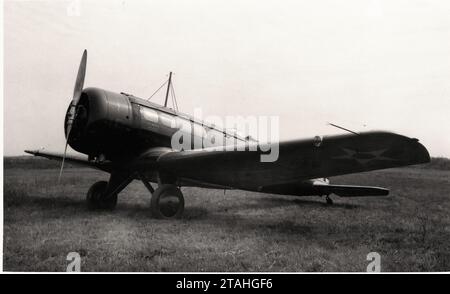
x,y
103,123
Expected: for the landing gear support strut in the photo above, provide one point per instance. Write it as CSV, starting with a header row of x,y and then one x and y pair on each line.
x,y
147,184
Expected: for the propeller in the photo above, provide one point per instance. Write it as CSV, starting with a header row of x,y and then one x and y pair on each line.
x,y
72,112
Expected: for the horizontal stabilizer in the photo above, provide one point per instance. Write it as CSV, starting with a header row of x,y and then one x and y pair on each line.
x,y
352,191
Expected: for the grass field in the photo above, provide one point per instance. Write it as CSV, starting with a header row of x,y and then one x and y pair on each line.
x,y
236,231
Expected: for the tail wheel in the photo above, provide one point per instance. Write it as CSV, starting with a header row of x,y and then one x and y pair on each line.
x,y
96,199
167,202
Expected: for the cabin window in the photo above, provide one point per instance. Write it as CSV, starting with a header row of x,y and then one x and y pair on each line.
x,y
167,120
214,138
183,125
199,131
230,140
149,114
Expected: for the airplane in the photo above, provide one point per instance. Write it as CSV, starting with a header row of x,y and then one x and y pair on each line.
x,y
130,138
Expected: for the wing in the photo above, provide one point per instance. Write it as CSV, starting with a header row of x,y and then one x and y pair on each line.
x,y
298,160
144,162
77,160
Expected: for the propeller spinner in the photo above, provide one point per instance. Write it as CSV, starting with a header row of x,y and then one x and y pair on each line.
x,y
72,113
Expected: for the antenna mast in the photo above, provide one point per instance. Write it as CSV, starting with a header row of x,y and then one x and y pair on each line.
x,y
168,89
342,128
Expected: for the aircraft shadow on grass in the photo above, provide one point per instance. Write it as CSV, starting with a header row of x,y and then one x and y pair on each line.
x,y
225,216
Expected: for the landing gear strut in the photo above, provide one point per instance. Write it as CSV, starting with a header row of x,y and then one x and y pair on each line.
x,y
329,200
167,200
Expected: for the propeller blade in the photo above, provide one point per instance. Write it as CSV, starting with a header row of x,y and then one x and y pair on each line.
x,y
79,83
64,158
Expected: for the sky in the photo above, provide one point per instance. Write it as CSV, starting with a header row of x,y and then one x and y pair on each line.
x,y
362,64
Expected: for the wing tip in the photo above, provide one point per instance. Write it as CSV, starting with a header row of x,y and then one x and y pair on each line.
x,y
32,152
419,152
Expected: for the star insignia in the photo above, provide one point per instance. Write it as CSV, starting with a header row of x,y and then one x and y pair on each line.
x,y
364,157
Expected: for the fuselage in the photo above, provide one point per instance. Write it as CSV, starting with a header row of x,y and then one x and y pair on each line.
x,y
119,126
113,125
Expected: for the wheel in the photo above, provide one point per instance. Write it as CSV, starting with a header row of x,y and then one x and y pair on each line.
x,y
95,197
167,202
329,200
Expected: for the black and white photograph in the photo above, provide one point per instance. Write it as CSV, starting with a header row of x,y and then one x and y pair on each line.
x,y
213,136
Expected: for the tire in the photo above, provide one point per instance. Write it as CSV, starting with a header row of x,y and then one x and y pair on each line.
x,y
95,197
110,203
167,202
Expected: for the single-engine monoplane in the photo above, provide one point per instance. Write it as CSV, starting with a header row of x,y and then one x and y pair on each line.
x,y
131,139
